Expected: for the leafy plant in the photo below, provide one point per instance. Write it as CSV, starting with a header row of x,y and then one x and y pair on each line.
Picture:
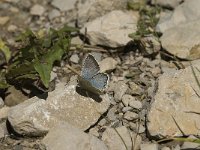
x,y
36,57
147,22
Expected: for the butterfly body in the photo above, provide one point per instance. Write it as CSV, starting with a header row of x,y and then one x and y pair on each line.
x,y
91,79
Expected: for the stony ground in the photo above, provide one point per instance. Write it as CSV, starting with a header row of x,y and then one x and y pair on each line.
x,y
152,93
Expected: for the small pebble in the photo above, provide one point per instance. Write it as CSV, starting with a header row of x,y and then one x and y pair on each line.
x,y
74,58
107,64
130,116
37,10
4,20
149,146
53,14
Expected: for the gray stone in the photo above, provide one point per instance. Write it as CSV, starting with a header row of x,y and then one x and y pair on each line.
x,y
102,31
37,10
187,43
149,146
36,116
66,137
74,58
188,11
90,9
135,104
53,14
120,89
130,115
64,5
113,141
108,64
165,148
175,102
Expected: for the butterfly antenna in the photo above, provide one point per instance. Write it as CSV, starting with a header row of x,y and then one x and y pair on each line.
x,y
73,70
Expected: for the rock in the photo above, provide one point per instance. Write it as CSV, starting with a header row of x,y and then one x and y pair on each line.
x,y
53,14
130,116
108,64
91,9
120,89
2,134
135,104
187,43
134,127
165,148
151,45
12,28
64,5
76,41
74,58
102,31
167,4
94,132
37,10
190,145
135,89
113,141
112,113
14,96
149,146
4,113
176,103
36,116
4,20
187,12
67,137
126,98
1,103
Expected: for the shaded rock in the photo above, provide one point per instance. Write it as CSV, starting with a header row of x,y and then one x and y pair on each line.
x,y
74,58
107,64
37,10
4,20
36,116
91,9
187,40
53,14
167,4
102,31
186,12
64,5
149,146
176,103
67,137
120,89
113,141
14,96
135,104
126,98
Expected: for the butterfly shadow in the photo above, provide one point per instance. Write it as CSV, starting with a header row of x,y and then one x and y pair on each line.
x,y
85,93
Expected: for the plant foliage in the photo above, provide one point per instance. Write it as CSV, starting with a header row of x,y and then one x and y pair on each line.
x,y
36,57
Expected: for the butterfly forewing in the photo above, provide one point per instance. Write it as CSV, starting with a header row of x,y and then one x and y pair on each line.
x,y
90,67
99,81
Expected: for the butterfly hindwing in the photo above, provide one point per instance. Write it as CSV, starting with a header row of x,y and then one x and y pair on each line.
x,y
90,67
99,81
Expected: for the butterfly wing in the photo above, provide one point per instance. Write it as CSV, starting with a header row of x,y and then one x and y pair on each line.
x,y
99,81
90,67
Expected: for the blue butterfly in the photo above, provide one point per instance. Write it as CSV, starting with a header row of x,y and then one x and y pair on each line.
x,y
91,79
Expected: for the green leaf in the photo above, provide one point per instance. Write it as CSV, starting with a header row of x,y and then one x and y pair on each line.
x,y
5,50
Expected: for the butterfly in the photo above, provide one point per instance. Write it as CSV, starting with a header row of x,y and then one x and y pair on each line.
x,y
91,79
